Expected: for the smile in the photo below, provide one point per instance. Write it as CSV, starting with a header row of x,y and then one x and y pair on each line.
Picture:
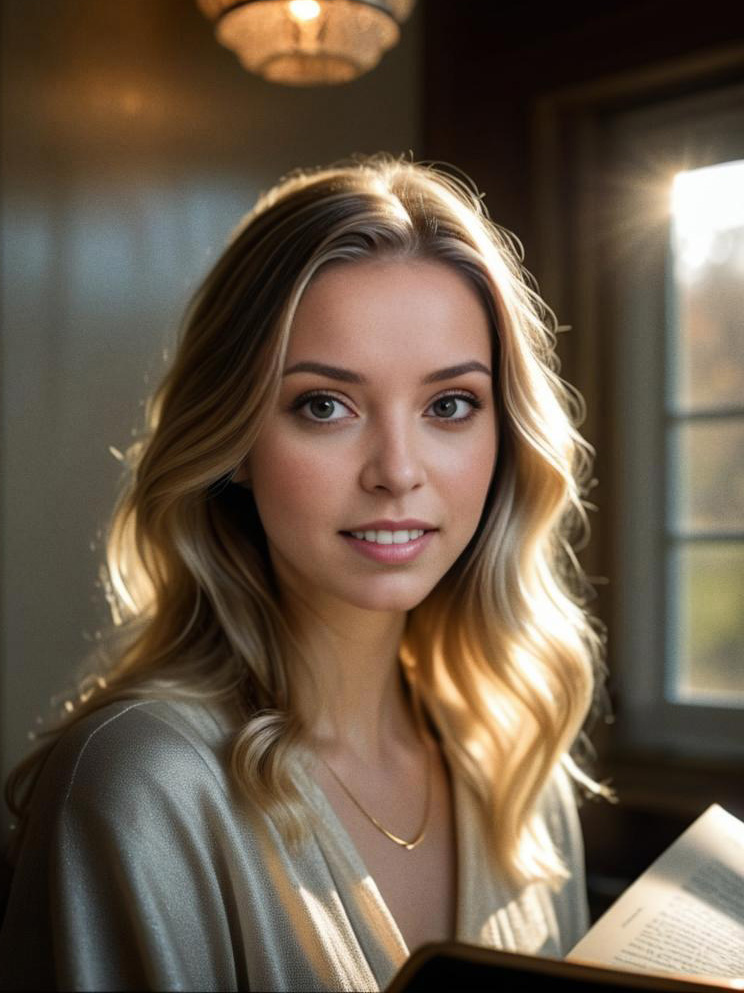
x,y
388,537
389,547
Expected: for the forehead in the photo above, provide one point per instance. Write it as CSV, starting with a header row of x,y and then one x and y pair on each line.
x,y
407,310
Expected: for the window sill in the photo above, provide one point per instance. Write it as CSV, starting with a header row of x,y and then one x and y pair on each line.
x,y
674,786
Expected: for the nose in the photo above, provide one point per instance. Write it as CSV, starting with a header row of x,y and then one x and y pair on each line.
x,y
393,461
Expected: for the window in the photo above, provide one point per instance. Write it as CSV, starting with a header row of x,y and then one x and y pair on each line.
x,y
705,437
675,176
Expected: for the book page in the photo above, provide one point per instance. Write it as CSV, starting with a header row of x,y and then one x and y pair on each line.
x,y
685,914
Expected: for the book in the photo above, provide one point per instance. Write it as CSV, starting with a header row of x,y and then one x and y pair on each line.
x,y
455,966
685,914
678,927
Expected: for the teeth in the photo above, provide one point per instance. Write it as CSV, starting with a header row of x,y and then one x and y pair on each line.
x,y
388,537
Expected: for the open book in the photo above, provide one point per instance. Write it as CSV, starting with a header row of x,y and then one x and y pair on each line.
x,y
678,927
685,914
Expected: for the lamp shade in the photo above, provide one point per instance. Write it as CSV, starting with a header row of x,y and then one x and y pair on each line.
x,y
308,42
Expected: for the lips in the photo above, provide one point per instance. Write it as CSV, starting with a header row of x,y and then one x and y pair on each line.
x,y
391,554
409,524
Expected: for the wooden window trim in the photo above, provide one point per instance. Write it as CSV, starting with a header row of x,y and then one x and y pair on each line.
x,y
567,129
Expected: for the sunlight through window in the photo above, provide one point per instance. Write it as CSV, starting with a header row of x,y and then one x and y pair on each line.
x,y
705,435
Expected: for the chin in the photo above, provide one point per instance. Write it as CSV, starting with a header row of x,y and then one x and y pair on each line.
x,y
389,600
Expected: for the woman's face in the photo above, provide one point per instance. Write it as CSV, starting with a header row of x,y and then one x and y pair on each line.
x,y
385,428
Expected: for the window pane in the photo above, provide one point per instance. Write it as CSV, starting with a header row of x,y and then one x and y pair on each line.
x,y
708,252
708,647
708,476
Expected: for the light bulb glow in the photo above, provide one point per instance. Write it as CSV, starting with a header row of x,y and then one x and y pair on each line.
x,y
304,10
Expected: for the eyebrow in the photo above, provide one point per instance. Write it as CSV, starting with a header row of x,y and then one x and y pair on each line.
x,y
347,376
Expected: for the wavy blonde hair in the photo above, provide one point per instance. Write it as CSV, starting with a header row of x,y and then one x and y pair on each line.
x,y
502,652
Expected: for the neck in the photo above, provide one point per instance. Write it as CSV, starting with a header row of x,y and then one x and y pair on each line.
x,y
352,694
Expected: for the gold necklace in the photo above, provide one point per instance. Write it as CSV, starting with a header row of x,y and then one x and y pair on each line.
x,y
408,845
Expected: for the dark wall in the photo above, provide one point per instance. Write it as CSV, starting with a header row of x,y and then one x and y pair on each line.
x,y
486,63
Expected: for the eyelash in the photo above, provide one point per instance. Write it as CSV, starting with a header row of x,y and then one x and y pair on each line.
x,y
474,402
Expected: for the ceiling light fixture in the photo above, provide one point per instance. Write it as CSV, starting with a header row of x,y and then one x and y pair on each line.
x,y
308,42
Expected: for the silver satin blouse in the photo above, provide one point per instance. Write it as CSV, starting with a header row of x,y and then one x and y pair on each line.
x,y
141,869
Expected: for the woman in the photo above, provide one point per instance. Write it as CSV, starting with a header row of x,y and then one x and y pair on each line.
x,y
354,657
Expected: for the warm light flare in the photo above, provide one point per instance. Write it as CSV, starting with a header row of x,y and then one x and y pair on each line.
x,y
706,203
304,10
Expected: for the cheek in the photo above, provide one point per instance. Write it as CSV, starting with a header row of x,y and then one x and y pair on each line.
x,y
292,485
466,471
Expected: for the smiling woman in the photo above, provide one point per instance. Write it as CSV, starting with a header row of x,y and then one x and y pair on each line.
x,y
399,442
352,662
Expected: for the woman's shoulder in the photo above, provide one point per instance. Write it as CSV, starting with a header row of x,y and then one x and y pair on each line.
x,y
135,745
124,855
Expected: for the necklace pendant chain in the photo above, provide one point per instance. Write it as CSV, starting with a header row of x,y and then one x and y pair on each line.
x,y
408,845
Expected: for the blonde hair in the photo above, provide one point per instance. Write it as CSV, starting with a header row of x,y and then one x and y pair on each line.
x,y
502,652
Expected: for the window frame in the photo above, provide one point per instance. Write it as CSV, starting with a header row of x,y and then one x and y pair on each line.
x,y
577,268
690,133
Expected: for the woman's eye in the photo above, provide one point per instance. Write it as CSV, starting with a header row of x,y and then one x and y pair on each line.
x,y
455,407
321,407
325,408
